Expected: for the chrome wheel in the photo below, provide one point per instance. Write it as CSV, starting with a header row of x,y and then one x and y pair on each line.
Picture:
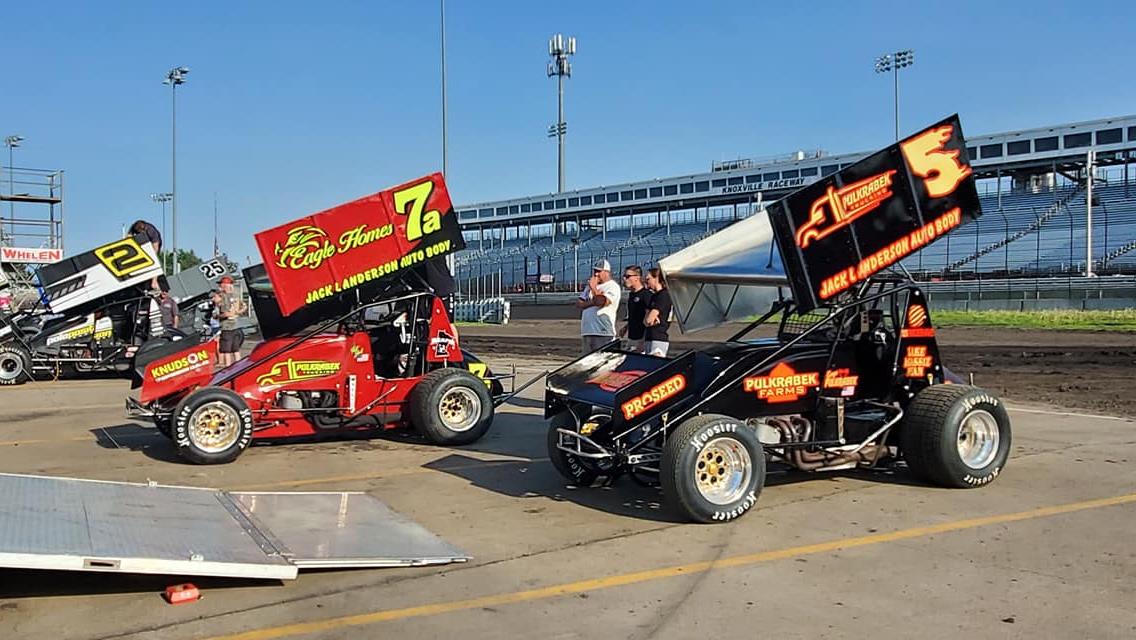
x,y
723,471
978,439
11,366
459,409
214,427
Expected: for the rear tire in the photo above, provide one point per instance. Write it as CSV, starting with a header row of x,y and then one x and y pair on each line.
x,y
212,426
574,469
713,468
956,436
451,406
15,365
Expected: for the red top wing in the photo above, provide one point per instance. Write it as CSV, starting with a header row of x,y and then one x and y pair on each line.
x,y
374,237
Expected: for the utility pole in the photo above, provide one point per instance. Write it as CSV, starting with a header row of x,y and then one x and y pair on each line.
x,y
560,48
12,142
162,198
174,77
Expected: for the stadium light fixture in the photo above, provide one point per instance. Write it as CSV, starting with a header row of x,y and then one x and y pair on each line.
x,y
893,62
559,48
174,77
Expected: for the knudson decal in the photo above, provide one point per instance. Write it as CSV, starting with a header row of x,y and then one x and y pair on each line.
x,y
783,384
645,401
189,362
296,370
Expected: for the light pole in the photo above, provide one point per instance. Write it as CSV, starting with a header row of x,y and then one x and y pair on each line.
x,y
445,166
12,142
162,198
893,62
174,77
560,48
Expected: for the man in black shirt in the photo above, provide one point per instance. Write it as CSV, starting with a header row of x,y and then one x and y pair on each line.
x,y
658,321
636,307
151,232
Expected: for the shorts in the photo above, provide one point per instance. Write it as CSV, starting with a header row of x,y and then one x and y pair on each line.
x,y
656,348
231,340
589,344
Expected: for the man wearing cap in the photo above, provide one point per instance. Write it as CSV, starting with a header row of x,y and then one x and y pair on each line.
x,y
598,303
229,308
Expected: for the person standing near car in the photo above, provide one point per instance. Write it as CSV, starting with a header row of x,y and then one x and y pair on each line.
x,y
597,304
169,308
141,227
657,339
636,307
229,308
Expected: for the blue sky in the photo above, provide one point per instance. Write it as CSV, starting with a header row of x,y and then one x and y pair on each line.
x,y
292,107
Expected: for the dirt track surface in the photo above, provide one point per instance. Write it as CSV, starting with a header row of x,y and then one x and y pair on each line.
x,y
1085,370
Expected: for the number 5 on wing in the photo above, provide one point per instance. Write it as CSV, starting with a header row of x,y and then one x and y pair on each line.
x,y
939,168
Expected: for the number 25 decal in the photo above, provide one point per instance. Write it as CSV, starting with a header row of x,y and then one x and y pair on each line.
x,y
940,169
410,202
124,257
212,269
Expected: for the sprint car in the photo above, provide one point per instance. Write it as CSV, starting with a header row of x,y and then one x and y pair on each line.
x,y
94,314
851,379
356,338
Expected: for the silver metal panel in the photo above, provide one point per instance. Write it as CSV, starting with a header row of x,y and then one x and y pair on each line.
x,y
730,275
344,529
86,525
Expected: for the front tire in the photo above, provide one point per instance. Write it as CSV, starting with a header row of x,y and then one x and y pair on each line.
x,y
451,407
713,469
212,426
956,436
574,469
15,365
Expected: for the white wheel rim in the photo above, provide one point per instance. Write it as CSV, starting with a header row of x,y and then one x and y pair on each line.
x,y
214,427
723,471
11,365
978,439
459,409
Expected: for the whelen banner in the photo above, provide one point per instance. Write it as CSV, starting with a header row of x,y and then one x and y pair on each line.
x,y
30,256
837,232
374,237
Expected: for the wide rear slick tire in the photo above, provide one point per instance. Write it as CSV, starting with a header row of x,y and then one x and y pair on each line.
x,y
713,469
212,426
956,436
451,407
15,365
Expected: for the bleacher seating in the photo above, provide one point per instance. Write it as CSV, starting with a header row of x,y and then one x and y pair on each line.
x,y
1019,234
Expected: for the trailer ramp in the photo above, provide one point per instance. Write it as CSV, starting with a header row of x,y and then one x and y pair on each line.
x,y
73,524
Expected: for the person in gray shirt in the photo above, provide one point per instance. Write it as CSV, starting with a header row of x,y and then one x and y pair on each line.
x,y
169,308
229,308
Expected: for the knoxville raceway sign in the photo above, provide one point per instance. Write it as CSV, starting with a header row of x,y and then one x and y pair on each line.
x,y
323,254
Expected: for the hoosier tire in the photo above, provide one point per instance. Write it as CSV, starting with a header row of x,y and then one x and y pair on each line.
x,y
574,469
713,468
212,426
956,436
451,407
15,364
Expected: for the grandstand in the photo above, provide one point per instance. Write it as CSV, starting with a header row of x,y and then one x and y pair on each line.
x,y
1033,185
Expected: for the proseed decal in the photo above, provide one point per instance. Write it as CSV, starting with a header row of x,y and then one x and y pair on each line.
x,y
296,370
783,384
645,401
189,362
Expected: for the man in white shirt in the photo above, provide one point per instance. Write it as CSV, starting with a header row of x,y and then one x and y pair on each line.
x,y
598,304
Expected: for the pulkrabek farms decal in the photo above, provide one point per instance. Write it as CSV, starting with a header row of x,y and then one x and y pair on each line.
x,y
324,254
782,384
290,371
841,230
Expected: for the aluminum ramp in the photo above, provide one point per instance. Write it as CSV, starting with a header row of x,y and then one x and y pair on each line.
x,y
72,524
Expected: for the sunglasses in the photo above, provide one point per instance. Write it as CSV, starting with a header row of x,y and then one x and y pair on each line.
x,y
631,275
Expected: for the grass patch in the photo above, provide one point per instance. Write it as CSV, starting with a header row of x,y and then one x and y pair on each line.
x,y
1120,320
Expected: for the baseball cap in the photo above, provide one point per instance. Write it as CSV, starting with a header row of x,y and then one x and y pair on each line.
x,y
225,279
601,265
